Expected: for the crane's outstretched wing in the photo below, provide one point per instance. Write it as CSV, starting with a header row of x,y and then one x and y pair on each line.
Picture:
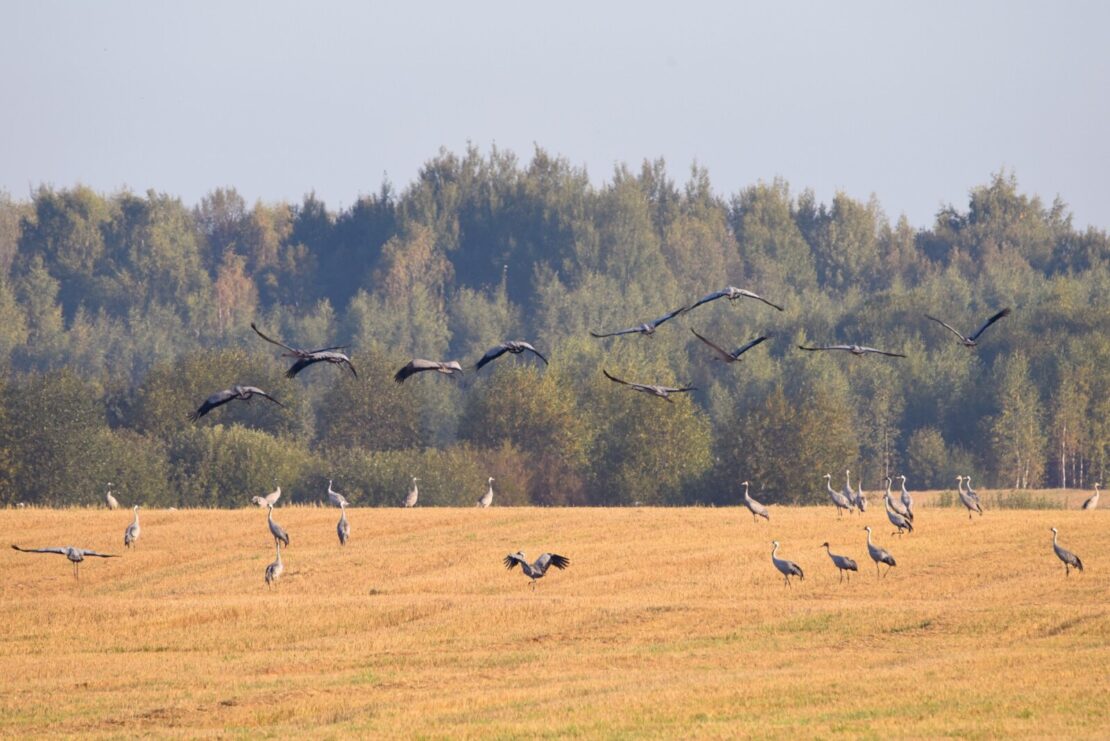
x,y
668,315
948,326
259,392
551,559
416,365
725,354
273,341
512,560
86,552
825,347
492,354
217,399
757,297
527,346
707,298
61,551
630,330
617,380
989,322
882,352
744,348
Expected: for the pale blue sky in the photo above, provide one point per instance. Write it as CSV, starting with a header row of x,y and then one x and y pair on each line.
x,y
914,103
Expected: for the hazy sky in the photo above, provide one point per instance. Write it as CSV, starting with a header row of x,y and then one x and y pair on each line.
x,y
914,103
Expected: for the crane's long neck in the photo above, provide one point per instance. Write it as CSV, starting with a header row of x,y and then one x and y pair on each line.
x,y
869,538
888,488
1054,536
774,550
960,485
828,485
904,492
848,479
136,520
827,549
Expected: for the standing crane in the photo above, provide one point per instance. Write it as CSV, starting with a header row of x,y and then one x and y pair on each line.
x,y
487,498
907,500
267,500
112,502
757,509
839,500
848,493
969,498
879,554
275,529
275,569
336,498
414,493
896,518
861,498
343,528
1071,561
843,564
786,568
131,534
896,505
1092,501
75,555
536,570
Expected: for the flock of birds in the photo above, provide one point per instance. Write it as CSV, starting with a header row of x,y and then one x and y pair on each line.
x,y
899,510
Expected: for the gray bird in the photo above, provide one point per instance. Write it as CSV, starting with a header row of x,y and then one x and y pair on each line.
x,y
969,498
732,294
895,504
413,495
647,328
275,529
861,498
843,564
786,568
487,498
275,569
663,392
896,518
536,570
419,365
848,493
971,340
243,393
516,347
725,355
112,502
131,534
268,500
336,499
1071,561
1092,501
343,528
75,555
879,554
755,507
306,358
839,500
854,349
907,500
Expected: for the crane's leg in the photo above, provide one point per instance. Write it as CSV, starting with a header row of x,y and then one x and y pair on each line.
x,y
876,568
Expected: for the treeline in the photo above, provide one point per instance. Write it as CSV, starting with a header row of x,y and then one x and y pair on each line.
x,y
120,313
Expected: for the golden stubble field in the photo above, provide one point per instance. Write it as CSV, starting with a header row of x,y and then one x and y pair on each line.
x,y
668,623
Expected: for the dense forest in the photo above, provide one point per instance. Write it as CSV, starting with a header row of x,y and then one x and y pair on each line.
x,y
120,313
